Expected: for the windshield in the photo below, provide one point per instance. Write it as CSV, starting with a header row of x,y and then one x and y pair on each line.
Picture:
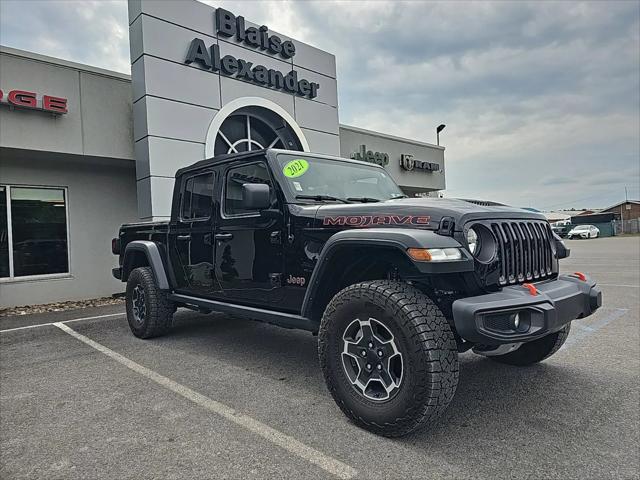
x,y
582,227
311,178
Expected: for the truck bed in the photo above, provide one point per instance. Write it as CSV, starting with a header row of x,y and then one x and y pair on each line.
x,y
156,231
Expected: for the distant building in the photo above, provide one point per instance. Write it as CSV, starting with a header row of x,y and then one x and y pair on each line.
x,y
627,210
592,211
556,216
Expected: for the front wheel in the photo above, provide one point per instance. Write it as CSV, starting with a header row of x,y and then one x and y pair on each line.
x,y
536,351
149,311
388,356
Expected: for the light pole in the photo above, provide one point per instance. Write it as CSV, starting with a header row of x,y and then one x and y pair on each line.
x,y
438,130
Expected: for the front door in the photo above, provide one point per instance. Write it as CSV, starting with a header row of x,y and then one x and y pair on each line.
x,y
249,260
191,236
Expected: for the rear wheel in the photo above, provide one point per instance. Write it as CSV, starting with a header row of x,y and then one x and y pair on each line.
x,y
388,356
536,351
149,311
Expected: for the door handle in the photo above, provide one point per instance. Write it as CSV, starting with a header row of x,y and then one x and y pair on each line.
x,y
223,236
184,237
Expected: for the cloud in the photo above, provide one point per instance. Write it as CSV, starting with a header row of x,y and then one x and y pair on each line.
x,y
541,99
93,32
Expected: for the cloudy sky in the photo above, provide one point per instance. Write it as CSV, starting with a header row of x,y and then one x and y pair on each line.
x,y
541,100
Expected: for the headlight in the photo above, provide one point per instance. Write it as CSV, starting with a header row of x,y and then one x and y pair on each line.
x,y
482,243
472,240
435,254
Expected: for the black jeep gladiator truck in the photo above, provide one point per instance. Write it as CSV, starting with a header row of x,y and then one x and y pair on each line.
x,y
394,287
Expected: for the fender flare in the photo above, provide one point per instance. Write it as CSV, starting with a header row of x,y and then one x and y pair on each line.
x,y
152,252
396,238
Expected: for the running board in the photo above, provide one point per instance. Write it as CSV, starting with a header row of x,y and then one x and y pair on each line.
x,y
286,320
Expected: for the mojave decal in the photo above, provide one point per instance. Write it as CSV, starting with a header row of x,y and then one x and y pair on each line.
x,y
367,220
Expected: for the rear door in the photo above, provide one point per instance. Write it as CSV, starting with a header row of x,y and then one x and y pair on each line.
x,y
191,236
249,257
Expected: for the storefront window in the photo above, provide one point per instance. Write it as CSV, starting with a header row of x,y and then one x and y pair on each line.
x,y
33,230
4,234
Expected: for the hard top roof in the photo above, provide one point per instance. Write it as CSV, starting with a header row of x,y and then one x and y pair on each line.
x,y
266,151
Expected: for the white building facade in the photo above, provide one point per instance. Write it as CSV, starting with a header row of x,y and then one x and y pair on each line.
x,y
83,150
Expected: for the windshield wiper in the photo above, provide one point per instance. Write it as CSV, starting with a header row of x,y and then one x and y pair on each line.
x,y
321,198
363,199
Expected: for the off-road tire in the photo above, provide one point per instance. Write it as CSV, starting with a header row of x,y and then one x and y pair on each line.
x,y
536,351
428,347
159,309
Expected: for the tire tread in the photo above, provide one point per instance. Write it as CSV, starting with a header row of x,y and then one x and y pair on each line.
x,y
427,331
159,308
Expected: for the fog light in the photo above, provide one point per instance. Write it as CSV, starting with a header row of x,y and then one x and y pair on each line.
x,y
521,321
516,321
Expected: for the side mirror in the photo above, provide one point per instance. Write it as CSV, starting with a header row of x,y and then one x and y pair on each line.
x,y
561,249
256,196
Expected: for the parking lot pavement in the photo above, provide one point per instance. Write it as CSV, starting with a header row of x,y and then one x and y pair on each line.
x,y
72,409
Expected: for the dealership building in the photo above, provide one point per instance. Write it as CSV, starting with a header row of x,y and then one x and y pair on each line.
x,y
83,150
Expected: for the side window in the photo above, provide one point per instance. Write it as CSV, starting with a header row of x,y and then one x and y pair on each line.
x,y
236,178
197,197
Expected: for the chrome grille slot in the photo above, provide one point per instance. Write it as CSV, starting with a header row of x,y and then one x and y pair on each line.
x,y
524,250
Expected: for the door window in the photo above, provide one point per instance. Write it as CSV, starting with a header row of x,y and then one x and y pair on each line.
x,y
236,178
197,198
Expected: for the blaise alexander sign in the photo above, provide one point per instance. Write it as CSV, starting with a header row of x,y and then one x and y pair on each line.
x,y
228,25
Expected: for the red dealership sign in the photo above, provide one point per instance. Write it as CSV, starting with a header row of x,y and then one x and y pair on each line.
x,y
30,100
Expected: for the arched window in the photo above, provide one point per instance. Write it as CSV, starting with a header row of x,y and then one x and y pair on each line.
x,y
253,123
254,128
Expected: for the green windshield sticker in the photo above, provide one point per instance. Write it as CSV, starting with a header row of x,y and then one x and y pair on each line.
x,y
295,168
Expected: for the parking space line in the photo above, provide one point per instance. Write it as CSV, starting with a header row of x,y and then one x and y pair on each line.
x,y
618,285
586,330
327,463
26,327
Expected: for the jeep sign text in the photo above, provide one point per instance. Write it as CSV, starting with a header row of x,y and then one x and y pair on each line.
x,y
365,155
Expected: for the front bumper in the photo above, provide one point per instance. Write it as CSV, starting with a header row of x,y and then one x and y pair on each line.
x,y
489,319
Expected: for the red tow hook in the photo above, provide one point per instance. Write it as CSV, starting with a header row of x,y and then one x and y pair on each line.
x,y
532,288
581,276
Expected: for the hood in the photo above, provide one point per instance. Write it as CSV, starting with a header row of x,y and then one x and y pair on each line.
x,y
417,212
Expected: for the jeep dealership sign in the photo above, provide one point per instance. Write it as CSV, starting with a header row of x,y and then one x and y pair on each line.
x,y
415,166
370,156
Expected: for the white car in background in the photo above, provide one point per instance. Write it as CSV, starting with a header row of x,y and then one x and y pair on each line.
x,y
583,231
